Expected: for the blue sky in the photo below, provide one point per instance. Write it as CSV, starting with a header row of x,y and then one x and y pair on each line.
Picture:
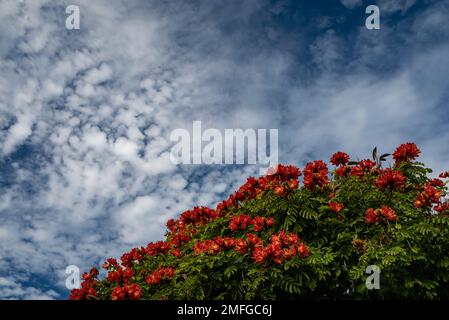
x,y
86,115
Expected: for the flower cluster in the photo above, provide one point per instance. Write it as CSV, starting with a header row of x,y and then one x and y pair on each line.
x,y
365,166
442,207
336,206
116,273
375,215
315,175
444,175
241,222
392,179
219,243
206,246
406,152
282,247
87,290
199,215
157,276
281,179
343,171
120,275
339,159
129,258
130,292
429,195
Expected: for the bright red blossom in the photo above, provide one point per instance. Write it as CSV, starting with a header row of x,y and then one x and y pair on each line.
x,y
440,207
375,215
315,175
159,275
388,178
339,158
87,290
282,247
130,292
388,213
303,250
428,196
371,216
406,152
436,183
343,171
239,222
336,206
444,175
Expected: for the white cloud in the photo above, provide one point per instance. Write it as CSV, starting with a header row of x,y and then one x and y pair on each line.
x,y
17,134
11,290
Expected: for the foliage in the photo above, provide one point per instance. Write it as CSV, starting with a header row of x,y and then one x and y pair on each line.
x,y
275,239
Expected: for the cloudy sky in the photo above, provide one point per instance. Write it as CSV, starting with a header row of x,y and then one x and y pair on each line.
x,y
86,115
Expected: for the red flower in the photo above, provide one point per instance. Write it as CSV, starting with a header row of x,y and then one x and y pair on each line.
x,y
388,213
357,171
436,183
406,152
87,290
157,276
374,215
283,173
293,184
199,215
270,222
390,178
371,216
259,255
428,196
127,274
303,250
114,276
260,222
128,259
282,247
110,263
444,175
315,175
155,248
442,207
343,171
240,246
239,222
363,167
289,252
86,293
253,240
339,158
171,225
280,191
206,246
132,292
336,206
